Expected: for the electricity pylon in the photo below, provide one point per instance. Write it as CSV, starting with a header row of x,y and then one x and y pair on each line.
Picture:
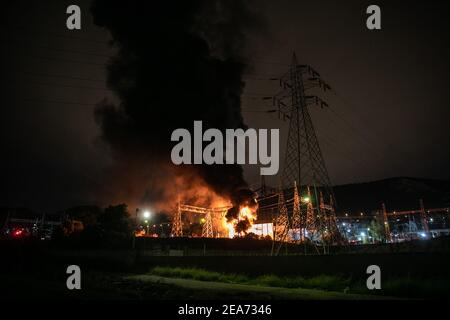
x,y
207,230
335,235
177,224
387,229
328,223
282,219
303,159
297,214
281,225
310,225
423,217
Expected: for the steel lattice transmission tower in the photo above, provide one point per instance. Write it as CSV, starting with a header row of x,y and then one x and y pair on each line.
x,y
423,217
332,224
207,230
303,161
387,229
177,224
297,214
281,225
282,219
310,224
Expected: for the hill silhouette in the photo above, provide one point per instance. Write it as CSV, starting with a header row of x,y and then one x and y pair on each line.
x,y
400,193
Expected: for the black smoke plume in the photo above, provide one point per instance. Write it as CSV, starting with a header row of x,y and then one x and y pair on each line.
x,y
176,62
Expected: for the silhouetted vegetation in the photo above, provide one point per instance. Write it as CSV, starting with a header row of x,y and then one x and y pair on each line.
x,y
396,287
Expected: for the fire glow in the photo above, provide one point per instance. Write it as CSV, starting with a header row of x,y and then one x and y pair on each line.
x,y
240,225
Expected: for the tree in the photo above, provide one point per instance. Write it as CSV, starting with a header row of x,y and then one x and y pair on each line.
x,y
115,222
377,229
86,214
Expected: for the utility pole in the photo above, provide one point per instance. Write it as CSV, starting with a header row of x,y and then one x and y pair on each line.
x,y
177,224
423,217
5,225
303,159
135,228
387,230
263,186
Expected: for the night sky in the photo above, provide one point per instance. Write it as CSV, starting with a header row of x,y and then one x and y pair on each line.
x,y
388,114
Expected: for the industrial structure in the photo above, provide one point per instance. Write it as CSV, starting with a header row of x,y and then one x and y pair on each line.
x,y
395,226
208,214
304,165
303,208
304,170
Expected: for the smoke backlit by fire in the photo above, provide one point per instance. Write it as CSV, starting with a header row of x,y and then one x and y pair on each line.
x,y
245,219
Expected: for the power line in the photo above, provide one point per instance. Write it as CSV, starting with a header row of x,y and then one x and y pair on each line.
x,y
58,102
19,45
380,140
261,75
73,51
259,94
69,86
262,61
103,65
253,111
50,34
48,75
345,154
331,121
260,78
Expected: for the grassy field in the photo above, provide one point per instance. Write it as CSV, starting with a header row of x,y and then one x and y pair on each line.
x,y
114,286
395,287
252,291
38,271
323,282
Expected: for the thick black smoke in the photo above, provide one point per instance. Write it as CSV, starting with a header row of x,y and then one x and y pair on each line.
x,y
176,62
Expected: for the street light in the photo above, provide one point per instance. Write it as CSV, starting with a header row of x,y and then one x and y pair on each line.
x,y
146,214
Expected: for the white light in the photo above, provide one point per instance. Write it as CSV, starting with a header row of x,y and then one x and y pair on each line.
x,y
431,219
343,224
423,235
363,234
146,214
348,230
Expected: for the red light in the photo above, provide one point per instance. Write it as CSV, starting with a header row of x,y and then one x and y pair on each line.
x,y
17,233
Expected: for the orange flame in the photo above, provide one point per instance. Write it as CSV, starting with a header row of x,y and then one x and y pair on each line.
x,y
246,214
